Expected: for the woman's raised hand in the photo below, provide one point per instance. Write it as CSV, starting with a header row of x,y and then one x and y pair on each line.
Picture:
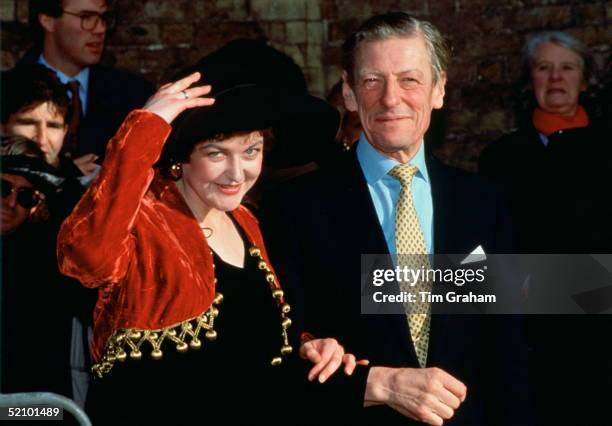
x,y
327,355
173,98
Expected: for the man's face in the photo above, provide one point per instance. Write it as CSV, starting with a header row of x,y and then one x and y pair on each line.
x,y
394,94
44,124
72,48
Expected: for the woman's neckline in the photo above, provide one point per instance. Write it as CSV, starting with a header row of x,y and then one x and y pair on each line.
x,y
232,265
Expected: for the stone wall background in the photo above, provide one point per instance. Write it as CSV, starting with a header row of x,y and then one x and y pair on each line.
x,y
158,37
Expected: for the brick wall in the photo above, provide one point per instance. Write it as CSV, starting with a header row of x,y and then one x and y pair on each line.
x,y
158,37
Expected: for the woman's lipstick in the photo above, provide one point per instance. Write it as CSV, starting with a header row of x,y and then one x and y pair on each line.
x,y
229,189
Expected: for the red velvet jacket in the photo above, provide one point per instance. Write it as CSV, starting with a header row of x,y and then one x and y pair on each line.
x,y
134,238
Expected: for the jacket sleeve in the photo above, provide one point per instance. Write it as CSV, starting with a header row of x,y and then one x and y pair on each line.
x,y
96,242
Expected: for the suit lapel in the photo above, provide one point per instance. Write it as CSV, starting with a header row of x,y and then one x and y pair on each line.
x,y
104,95
363,223
442,209
366,233
95,92
443,213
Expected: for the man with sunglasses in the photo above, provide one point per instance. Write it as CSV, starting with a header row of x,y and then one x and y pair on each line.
x,y
28,182
19,201
32,195
69,39
38,304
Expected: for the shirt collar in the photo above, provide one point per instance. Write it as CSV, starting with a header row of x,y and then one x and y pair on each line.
x,y
376,166
82,77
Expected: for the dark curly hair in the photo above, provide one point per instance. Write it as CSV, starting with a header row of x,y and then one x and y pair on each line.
x,y
28,86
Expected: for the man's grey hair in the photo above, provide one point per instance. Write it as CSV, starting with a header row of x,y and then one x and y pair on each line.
x,y
561,39
397,24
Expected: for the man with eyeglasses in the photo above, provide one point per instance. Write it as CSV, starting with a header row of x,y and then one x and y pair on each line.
x,y
70,37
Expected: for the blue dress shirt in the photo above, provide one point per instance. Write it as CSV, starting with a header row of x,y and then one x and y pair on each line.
x,y
82,77
385,190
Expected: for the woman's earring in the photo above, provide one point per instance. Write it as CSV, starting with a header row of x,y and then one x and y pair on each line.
x,y
176,171
345,145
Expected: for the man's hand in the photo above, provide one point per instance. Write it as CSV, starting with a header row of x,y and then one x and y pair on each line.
x,y
428,395
86,164
327,355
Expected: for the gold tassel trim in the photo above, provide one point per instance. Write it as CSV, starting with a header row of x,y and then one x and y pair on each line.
x,y
185,335
133,339
279,296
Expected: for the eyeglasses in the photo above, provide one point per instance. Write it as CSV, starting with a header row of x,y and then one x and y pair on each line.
x,y
26,197
89,20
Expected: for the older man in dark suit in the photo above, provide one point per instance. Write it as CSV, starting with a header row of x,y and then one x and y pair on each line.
x,y
387,195
70,37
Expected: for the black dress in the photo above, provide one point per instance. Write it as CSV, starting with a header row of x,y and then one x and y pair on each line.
x,y
229,381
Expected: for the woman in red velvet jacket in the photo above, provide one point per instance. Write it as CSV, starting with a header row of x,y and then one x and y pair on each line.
x,y
180,264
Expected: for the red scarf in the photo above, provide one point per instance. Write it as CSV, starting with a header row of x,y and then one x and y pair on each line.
x,y
548,123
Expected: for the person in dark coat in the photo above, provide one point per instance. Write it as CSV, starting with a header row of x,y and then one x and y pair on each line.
x,y
460,370
554,167
554,170
69,38
37,304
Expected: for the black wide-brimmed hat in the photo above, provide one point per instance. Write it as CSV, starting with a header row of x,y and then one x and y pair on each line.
x,y
255,87
41,175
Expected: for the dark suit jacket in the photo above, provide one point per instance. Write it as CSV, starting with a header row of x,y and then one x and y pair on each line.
x,y
556,194
559,203
317,228
111,95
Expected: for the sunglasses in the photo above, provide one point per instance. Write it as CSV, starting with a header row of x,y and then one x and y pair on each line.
x,y
26,197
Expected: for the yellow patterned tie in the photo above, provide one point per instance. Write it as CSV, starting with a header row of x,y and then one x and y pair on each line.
x,y
412,253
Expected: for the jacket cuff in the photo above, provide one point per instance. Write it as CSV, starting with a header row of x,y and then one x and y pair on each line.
x,y
146,133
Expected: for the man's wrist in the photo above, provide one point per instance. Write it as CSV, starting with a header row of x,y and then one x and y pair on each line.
x,y
376,390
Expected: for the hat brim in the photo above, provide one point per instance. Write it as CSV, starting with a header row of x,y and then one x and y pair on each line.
x,y
243,108
41,175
